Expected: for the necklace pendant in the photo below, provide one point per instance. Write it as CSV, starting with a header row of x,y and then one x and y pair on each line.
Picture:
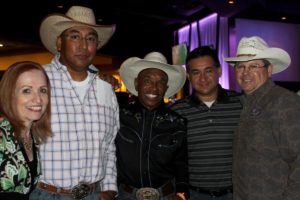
x,y
27,144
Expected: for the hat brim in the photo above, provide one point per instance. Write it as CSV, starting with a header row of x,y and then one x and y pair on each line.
x,y
53,25
279,58
131,67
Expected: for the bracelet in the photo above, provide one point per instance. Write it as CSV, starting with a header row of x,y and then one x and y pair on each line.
x,y
181,195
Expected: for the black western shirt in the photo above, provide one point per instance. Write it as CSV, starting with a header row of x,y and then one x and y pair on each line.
x,y
151,147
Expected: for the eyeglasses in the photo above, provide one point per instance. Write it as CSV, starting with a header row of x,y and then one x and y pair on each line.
x,y
250,68
76,37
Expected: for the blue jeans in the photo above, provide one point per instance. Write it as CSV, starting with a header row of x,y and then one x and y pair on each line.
x,y
39,194
200,196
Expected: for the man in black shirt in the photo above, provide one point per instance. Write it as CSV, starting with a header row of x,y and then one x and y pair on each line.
x,y
151,144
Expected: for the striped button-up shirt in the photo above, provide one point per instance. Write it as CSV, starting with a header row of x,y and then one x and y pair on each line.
x,y
82,148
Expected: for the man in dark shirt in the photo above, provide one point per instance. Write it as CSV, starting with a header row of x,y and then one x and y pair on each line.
x,y
212,114
266,148
151,144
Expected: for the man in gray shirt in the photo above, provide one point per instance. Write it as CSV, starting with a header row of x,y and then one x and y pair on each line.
x,y
212,113
266,149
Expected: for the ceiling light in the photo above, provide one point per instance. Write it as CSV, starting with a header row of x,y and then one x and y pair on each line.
x,y
231,2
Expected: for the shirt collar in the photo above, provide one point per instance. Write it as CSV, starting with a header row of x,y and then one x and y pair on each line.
x,y
222,96
59,65
260,92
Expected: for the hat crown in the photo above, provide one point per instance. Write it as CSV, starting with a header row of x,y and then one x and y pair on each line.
x,y
82,14
131,68
156,57
254,48
251,46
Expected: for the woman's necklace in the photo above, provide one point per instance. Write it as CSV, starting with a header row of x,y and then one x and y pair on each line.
x,y
27,143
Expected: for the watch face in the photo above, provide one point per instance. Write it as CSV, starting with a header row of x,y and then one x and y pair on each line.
x,y
147,193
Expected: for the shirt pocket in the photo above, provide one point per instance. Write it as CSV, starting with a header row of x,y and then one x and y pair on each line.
x,y
164,146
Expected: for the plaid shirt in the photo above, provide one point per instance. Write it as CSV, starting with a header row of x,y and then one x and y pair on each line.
x,y
82,148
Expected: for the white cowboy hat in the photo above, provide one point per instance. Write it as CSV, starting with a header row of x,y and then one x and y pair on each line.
x,y
131,67
254,47
53,25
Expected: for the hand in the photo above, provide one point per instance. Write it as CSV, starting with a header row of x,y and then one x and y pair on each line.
x,y
110,79
174,197
107,195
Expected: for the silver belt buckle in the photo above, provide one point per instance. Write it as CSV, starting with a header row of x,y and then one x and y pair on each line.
x,y
80,191
147,193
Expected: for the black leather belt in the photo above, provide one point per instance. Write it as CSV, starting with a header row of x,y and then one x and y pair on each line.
x,y
164,190
214,192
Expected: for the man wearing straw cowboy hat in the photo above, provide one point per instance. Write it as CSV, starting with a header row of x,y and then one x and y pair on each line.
x,y
78,162
151,144
266,155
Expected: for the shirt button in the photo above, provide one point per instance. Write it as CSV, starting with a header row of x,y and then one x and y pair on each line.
x,y
210,121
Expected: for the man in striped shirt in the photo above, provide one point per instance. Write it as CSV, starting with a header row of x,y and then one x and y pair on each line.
x,y
212,114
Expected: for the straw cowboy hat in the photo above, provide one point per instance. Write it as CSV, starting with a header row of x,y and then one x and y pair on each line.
x,y
53,25
131,67
253,48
